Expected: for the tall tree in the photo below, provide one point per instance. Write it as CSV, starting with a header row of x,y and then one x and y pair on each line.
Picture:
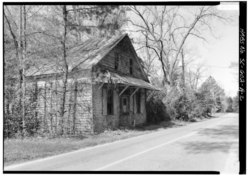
x,y
17,32
215,92
167,29
23,45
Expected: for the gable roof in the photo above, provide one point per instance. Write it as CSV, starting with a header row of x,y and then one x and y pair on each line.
x,y
87,54
92,51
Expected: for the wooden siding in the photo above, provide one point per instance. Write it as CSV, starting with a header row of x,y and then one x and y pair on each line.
x,y
124,49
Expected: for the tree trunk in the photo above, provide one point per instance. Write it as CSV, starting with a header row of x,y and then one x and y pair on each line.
x,y
22,24
23,66
183,72
51,108
74,107
35,98
69,108
65,75
45,107
56,99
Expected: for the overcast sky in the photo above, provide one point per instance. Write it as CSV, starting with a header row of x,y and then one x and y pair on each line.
x,y
220,52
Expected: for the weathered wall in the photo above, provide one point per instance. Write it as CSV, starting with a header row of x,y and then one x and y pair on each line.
x,y
124,49
84,108
78,117
101,120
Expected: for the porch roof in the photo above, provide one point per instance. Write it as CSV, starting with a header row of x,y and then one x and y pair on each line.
x,y
115,78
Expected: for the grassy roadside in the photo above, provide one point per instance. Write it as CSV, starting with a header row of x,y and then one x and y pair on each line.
x,y
18,150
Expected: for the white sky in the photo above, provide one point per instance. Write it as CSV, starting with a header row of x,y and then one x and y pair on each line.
x,y
219,54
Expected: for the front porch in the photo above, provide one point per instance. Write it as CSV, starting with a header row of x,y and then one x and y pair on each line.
x,y
123,101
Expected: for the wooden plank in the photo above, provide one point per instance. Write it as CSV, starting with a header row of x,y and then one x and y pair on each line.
x,y
123,90
134,91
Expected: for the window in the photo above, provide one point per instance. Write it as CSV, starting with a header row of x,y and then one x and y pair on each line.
x,y
125,104
131,66
138,102
110,102
117,58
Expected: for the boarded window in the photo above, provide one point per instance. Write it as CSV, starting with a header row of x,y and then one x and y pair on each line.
x,y
117,58
138,102
110,102
131,66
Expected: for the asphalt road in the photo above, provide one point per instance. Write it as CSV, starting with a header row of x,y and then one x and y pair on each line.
x,y
210,145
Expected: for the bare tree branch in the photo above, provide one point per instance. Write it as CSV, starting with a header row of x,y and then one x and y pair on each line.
x,y
196,35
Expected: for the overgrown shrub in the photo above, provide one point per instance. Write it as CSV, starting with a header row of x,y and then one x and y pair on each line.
x,y
156,110
182,107
170,101
189,104
13,123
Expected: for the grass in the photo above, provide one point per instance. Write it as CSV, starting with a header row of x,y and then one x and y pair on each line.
x,y
21,150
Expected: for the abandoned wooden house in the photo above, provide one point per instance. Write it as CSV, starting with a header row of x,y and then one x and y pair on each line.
x,y
107,88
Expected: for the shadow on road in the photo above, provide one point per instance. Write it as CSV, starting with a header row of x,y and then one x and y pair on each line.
x,y
219,139
222,132
209,147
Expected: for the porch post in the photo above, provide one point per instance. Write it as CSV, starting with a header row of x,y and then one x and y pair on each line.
x,y
123,90
135,91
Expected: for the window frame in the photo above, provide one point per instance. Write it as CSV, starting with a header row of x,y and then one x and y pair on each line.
x,y
125,97
110,102
138,102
